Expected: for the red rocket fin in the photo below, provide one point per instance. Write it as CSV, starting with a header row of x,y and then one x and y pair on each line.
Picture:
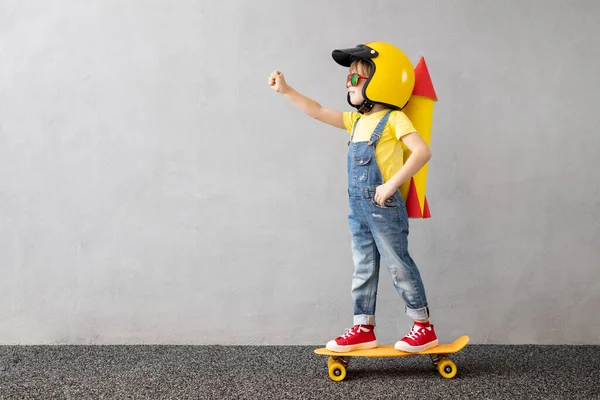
x,y
426,212
423,84
413,207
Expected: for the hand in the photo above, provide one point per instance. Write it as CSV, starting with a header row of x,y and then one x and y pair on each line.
x,y
383,192
277,82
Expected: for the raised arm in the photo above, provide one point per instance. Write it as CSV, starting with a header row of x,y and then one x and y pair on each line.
x,y
307,105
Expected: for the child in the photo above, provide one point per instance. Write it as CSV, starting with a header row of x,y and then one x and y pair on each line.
x,y
379,84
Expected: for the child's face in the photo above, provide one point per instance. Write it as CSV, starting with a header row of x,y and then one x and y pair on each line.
x,y
355,91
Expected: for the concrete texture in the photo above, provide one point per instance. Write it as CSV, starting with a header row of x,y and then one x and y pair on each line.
x,y
155,190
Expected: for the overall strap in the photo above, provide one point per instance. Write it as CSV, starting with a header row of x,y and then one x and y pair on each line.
x,y
353,130
379,129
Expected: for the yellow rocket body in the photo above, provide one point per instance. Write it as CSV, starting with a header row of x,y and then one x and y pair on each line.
x,y
420,111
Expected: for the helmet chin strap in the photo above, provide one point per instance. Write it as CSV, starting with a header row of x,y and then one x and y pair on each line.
x,y
366,106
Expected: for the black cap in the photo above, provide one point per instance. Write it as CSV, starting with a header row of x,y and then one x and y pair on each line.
x,y
345,57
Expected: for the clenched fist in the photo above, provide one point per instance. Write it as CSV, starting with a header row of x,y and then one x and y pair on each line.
x,y
277,82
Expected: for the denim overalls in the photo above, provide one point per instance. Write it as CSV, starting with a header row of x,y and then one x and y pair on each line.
x,y
378,233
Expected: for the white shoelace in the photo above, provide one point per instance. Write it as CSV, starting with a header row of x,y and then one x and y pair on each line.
x,y
352,331
415,332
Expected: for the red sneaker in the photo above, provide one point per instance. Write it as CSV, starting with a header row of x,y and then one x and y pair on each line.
x,y
420,338
360,337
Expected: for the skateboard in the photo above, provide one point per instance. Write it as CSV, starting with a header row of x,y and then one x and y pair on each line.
x,y
338,362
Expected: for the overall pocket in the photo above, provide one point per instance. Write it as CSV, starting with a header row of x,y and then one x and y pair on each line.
x,y
361,168
392,202
389,203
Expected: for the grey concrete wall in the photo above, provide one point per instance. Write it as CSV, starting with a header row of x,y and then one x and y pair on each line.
x,y
154,189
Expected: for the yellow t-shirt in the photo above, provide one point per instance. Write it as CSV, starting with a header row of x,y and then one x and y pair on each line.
x,y
389,151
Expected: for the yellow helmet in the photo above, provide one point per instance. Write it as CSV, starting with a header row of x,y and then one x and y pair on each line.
x,y
393,77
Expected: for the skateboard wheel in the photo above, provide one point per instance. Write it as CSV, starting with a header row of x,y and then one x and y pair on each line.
x,y
447,368
330,361
337,372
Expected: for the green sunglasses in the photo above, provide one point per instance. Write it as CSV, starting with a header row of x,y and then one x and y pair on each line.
x,y
352,79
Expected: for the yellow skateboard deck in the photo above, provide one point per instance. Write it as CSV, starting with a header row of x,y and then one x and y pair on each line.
x,y
339,361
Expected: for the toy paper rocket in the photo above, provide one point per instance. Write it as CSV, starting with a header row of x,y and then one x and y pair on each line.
x,y
420,111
